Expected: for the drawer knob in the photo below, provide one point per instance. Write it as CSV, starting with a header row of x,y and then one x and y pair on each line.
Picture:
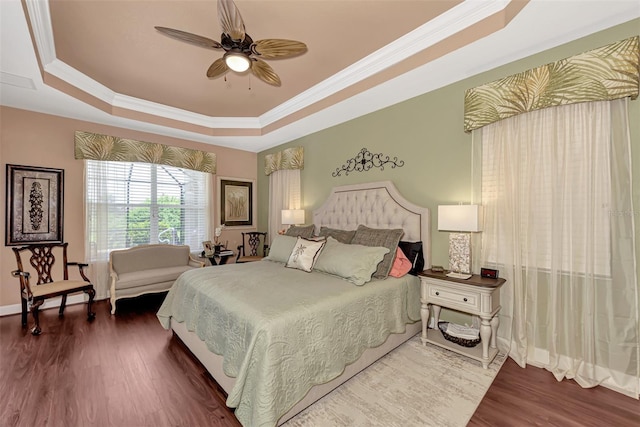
x,y
437,293
465,300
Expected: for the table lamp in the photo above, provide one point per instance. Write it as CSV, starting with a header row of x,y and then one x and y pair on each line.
x,y
461,220
292,216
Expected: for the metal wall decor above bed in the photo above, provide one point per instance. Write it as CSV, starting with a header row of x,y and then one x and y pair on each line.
x,y
366,160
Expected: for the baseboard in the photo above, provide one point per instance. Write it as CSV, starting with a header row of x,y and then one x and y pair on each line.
x,y
8,310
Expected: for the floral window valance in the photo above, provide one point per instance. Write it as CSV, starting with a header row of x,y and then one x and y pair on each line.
x,y
291,158
94,146
602,74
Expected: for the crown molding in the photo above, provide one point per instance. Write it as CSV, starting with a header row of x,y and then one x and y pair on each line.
x,y
430,33
460,17
17,81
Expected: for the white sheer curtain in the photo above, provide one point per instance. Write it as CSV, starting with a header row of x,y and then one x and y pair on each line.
x,y
97,228
559,225
284,193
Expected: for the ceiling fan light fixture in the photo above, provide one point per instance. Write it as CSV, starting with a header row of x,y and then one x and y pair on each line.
x,y
238,62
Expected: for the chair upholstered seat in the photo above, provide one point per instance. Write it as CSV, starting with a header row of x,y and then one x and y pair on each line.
x,y
63,286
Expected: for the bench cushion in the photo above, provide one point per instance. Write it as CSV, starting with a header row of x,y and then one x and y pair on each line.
x,y
146,277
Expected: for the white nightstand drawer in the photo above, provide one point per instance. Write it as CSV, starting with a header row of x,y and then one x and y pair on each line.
x,y
449,297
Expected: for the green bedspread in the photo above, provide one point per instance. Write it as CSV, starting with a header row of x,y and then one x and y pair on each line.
x,y
282,331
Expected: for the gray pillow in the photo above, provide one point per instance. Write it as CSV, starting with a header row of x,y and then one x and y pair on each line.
x,y
342,236
305,231
281,248
355,263
387,238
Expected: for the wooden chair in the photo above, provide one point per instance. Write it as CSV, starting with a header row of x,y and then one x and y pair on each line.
x,y
253,247
42,258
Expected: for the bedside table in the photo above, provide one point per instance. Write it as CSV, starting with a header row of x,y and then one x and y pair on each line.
x,y
477,295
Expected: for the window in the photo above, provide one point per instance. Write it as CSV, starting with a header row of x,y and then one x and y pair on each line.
x,y
130,204
546,183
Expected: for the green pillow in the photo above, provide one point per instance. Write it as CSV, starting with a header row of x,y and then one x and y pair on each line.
x,y
281,248
355,263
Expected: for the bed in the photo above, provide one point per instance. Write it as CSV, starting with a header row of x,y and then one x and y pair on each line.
x,y
277,339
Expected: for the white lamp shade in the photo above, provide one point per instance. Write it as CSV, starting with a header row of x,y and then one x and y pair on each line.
x,y
466,218
292,216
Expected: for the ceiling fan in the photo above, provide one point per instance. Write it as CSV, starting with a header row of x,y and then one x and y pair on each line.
x,y
241,52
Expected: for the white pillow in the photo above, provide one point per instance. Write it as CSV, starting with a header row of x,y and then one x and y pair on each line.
x,y
355,263
305,253
281,248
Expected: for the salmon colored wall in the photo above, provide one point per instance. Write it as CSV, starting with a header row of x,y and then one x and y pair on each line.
x,y
34,139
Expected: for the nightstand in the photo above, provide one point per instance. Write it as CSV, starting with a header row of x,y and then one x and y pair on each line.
x,y
477,295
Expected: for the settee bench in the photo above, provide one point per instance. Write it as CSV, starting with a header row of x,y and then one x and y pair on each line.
x,y
147,269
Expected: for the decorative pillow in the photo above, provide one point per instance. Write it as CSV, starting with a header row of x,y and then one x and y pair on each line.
x,y
355,263
305,254
379,237
342,236
401,265
305,231
413,251
281,248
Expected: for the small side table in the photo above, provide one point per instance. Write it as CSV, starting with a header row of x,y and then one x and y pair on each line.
x,y
218,259
477,295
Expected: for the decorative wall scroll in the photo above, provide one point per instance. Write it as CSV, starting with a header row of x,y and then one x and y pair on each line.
x,y
34,205
365,160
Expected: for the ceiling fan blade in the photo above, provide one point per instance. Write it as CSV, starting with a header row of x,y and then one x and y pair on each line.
x,y
278,48
264,72
189,38
217,69
230,20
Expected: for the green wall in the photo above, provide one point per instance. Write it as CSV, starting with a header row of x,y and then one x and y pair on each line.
x,y
426,132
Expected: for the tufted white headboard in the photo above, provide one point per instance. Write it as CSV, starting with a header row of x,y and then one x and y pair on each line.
x,y
376,205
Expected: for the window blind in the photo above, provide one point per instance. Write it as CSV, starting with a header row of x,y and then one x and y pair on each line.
x,y
550,170
130,204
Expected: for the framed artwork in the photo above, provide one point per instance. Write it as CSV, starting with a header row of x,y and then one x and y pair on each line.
x,y
34,205
236,200
208,248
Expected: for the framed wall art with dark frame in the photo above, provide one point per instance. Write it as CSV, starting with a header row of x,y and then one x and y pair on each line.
x,y
34,211
235,202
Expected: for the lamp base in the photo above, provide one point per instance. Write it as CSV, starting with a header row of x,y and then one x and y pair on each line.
x,y
460,252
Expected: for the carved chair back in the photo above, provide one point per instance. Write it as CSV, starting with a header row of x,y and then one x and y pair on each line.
x,y
255,243
42,259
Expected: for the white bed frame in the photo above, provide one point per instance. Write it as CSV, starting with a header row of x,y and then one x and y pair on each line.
x,y
376,205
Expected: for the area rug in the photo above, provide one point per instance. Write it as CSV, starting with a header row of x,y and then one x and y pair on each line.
x,y
414,385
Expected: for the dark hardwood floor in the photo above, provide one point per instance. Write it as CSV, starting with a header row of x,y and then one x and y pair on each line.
x,y
126,371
